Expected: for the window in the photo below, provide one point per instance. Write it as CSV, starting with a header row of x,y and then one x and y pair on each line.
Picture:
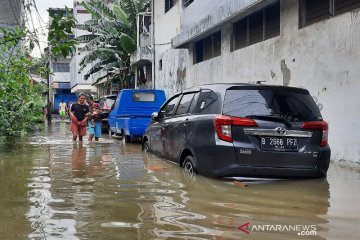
x,y
208,47
169,4
160,64
292,105
185,104
257,27
193,103
342,6
61,67
315,11
208,103
272,21
170,107
187,2
143,97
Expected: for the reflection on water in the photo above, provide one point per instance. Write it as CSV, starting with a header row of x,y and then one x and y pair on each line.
x,y
53,188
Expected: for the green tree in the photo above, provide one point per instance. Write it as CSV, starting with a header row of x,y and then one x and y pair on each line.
x,y
61,40
112,36
20,101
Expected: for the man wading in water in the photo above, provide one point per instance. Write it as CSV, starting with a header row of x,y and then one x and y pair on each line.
x,y
79,113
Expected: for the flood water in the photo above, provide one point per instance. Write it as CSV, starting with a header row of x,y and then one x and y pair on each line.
x,y
52,188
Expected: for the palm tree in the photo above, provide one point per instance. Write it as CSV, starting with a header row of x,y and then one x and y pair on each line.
x,y
112,36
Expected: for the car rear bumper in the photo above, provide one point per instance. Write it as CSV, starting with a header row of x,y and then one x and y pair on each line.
x,y
241,171
222,162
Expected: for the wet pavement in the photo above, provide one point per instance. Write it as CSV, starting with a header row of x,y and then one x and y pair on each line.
x,y
52,188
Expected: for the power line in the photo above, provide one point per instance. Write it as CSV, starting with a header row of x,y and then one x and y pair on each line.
x,y
37,11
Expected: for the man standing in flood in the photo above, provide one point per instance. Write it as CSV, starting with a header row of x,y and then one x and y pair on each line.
x,y
79,113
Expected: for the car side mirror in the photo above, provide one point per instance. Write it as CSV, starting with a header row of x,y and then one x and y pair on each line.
x,y
155,116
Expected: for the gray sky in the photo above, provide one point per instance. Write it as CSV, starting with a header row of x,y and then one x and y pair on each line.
x,y
41,27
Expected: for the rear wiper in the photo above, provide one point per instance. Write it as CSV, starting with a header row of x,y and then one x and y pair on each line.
x,y
271,118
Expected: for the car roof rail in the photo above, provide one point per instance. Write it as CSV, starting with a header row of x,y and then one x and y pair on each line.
x,y
260,82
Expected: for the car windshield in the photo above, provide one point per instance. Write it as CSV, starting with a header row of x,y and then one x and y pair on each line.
x,y
143,97
267,104
108,103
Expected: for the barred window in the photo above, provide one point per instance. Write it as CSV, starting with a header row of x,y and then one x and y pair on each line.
x,y
257,27
208,47
61,67
315,11
169,4
187,2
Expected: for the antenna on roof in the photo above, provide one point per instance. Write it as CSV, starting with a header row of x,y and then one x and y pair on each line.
x,y
259,82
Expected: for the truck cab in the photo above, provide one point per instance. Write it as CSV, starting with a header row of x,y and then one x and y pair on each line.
x,y
132,112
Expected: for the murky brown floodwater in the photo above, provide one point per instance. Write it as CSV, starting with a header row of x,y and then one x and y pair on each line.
x,y
54,189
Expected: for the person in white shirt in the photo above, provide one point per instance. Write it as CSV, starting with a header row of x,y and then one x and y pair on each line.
x,y
62,110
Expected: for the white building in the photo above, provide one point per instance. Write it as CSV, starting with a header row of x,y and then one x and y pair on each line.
x,y
303,43
78,81
142,59
77,76
59,79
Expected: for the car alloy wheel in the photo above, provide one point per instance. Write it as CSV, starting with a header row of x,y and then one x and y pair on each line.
x,y
146,147
189,168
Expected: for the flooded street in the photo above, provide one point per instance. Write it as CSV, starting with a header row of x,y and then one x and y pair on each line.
x,y
52,188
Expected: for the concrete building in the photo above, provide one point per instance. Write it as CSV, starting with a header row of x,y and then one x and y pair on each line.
x,y
302,43
59,80
77,77
141,60
10,13
78,81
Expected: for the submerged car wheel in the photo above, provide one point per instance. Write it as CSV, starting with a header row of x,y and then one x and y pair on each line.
x,y
145,147
189,167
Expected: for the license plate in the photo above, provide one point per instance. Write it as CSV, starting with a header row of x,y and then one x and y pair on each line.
x,y
278,144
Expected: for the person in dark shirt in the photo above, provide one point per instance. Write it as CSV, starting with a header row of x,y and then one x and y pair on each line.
x,y
79,113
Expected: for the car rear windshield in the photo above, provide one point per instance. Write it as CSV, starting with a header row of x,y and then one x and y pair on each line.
x,y
108,103
143,97
293,105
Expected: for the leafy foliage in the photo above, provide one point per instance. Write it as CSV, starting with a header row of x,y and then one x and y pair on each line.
x,y
20,102
40,66
60,35
113,36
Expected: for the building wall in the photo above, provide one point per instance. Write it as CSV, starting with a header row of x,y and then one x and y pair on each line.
x,y
78,82
58,76
322,57
61,77
174,61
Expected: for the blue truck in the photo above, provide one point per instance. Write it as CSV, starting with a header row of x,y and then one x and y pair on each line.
x,y
132,112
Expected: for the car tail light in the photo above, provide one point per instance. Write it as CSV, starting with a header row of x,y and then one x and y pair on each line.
x,y
223,126
318,125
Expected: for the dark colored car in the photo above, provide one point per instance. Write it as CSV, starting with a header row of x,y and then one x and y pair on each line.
x,y
228,130
105,104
